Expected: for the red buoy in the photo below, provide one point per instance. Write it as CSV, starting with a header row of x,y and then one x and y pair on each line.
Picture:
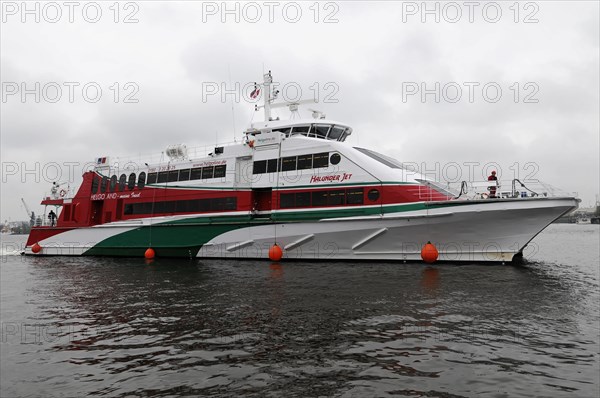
x,y
275,253
429,253
36,248
149,254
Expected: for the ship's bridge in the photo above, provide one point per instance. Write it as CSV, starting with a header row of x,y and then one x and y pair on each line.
x,y
316,128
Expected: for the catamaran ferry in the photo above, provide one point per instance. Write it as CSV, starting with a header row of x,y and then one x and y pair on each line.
x,y
295,184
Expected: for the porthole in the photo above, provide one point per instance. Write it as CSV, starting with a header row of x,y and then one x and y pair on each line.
x,y
335,158
373,195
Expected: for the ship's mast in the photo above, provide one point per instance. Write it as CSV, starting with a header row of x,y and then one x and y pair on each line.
x,y
270,95
268,80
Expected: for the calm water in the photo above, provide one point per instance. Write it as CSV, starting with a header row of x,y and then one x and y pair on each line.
x,y
121,327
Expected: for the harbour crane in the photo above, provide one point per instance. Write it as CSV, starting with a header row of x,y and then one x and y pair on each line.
x,y
30,214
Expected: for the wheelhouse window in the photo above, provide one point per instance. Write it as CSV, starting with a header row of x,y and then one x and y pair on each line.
x,y
320,130
335,133
104,184
285,131
302,130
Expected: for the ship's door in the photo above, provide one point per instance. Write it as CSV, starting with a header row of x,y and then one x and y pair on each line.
x,y
261,202
243,172
96,216
119,212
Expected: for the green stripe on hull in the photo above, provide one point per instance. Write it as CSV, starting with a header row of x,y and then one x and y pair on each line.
x,y
185,237
300,215
166,240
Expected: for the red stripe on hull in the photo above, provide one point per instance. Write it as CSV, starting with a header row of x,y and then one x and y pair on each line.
x,y
87,208
38,234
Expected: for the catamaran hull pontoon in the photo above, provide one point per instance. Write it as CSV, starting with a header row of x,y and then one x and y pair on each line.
x,y
476,231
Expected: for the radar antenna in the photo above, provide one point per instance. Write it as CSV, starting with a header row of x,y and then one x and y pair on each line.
x,y
270,96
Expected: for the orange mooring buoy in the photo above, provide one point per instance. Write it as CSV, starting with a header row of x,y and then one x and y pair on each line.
x,y
429,253
36,248
149,254
275,253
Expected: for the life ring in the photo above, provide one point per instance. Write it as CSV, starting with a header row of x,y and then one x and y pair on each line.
x,y
251,144
62,193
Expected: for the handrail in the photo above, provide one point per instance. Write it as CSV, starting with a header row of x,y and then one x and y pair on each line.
x,y
464,189
522,186
513,188
161,157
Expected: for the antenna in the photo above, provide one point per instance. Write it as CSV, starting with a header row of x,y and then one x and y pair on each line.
x,y
316,114
232,108
268,79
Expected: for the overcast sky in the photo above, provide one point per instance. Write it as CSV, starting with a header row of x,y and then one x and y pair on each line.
x,y
367,58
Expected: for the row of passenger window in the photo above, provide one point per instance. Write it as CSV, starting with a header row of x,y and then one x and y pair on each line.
x,y
198,173
332,197
182,206
113,183
290,163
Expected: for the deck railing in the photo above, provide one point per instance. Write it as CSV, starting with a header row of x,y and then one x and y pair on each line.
x,y
505,189
132,163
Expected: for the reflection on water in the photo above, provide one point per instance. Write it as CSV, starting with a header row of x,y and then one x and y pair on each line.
x,y
120,327
430,280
